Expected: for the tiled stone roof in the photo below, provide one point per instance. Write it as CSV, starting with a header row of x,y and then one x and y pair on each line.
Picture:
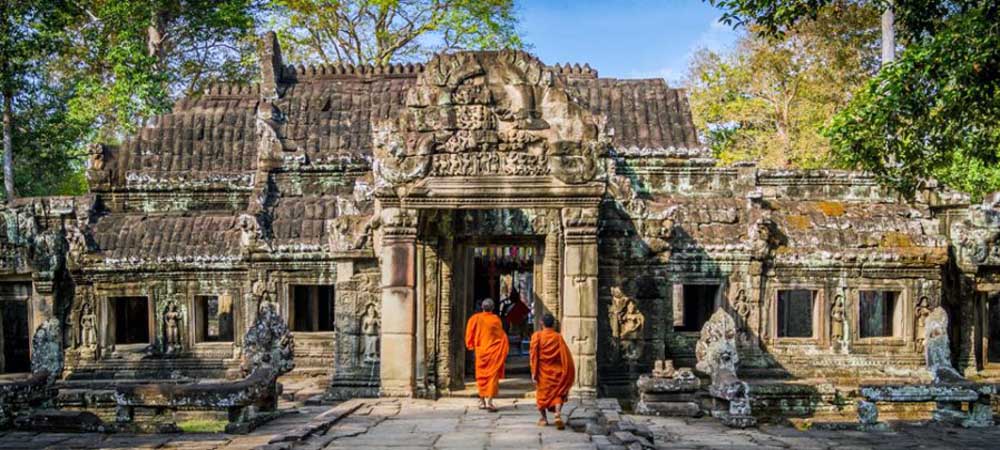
x,y
327,112
167,238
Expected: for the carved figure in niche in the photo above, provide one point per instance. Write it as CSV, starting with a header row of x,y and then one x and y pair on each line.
x,y
77,242
627,324
88,328
249,230
741,305
370,324
837,316
172,327
923,310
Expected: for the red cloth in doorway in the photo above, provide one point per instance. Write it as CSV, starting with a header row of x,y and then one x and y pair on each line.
x,y
517,313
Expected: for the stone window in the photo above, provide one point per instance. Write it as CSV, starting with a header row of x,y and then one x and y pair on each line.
x,y
878,313
312,308
795,313
131,319
214,316
697,304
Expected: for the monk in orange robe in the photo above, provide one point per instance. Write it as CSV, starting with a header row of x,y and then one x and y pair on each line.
x,y
485,335
552,370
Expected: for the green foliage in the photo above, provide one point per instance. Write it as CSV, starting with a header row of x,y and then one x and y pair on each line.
x,y
384,31
95,70
934,112
130,59
768,99
31,33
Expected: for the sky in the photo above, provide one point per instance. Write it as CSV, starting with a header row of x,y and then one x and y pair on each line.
x,y
624,38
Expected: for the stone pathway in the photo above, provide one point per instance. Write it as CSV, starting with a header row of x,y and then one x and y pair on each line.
x,y
706,433
455,423
450,423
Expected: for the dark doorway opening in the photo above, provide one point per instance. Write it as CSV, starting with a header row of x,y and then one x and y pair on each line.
x,y
14,314
698,306
506,274
312,308
993,328
131,320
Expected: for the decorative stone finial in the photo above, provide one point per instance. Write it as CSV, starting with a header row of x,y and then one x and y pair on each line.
x,y
271,65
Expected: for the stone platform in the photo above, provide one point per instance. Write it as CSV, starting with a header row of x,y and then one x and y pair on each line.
x,y
456,423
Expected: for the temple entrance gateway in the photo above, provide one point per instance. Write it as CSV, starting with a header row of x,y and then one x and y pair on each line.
x,y
483,131
507,273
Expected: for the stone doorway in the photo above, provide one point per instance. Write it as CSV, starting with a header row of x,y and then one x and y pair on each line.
x,y
511,272
14,299
992,328
427,258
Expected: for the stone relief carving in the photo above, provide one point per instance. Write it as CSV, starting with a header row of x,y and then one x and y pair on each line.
x,y
921,314
250,231
717,356
370,324
46,350
937,350
268,344
172,318
716,349
627,325
837,319
88,330
348,233
492,113
77,243
764,237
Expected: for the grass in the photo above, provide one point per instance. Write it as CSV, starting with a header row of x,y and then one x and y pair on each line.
x,y
202,426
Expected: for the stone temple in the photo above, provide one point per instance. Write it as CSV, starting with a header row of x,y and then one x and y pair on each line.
x,y
375,206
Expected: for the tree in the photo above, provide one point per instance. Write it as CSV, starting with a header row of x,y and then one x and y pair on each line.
x,y
74,72
768,99
382,31
934,112
29,33
130,58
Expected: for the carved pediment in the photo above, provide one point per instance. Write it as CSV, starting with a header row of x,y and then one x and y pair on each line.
x,y
488,114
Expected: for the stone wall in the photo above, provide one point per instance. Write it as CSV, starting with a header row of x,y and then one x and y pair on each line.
x,y
370,180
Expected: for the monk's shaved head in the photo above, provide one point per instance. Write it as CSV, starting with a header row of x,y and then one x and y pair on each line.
x,y
488,304
548,320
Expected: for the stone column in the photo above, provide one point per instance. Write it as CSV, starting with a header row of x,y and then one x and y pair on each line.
x,y
579,310
398,264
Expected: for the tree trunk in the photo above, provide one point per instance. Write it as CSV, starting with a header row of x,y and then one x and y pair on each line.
x,y
8,145
888,36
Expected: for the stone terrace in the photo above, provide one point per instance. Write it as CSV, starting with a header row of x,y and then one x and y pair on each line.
x,y
455,423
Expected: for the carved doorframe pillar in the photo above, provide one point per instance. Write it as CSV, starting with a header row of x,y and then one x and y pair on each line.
x,y
579,296
398,263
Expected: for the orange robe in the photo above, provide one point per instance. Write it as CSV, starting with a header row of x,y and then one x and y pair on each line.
x,y
551,368
484,334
